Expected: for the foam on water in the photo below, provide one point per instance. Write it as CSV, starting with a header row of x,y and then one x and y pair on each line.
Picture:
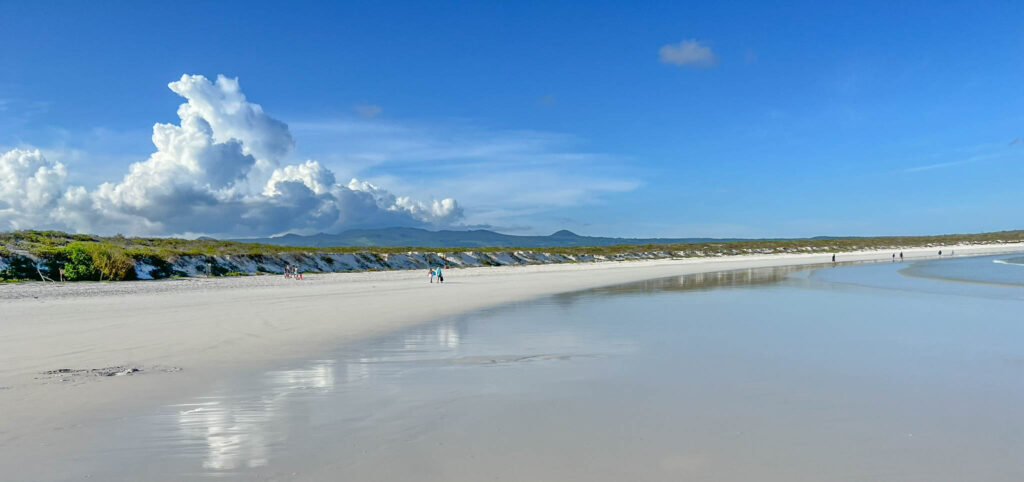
x,y
1018,261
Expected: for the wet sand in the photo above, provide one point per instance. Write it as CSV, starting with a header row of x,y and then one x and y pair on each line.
x,y
157,344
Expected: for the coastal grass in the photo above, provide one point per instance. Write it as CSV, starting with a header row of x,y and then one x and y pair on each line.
x,y
49,243
92,257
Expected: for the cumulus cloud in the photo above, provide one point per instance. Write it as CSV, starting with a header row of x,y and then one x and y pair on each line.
x,y
30,187
688,53
444,211
218,171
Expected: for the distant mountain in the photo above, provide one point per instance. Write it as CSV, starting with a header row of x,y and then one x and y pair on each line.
x,y
457,239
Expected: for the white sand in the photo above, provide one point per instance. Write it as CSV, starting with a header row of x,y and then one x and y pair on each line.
x,y
209,327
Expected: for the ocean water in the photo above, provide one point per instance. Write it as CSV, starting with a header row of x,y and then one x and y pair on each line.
x,y
893,371
1004,270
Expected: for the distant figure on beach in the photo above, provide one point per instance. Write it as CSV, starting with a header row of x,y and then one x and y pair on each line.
x,y
901,256
440,277
940,252
431,272
833,258
292,272
894,257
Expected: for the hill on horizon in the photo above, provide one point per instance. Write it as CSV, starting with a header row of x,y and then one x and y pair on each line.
x,y
460,239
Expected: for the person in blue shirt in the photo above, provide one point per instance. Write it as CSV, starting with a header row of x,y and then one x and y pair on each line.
x,y
440,278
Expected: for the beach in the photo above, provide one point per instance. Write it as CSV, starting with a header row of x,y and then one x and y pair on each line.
x,y
78,355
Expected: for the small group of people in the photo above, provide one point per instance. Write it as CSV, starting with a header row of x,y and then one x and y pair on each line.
x,y
894,255
436,272
292,272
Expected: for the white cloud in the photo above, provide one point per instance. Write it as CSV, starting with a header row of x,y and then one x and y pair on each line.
x,y
521,196
368,111
940,165
504,177
223,105
216,172
445,211
30,187
688,53
362,144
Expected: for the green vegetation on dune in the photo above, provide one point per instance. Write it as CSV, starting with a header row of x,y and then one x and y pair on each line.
x,y
86,260
88,257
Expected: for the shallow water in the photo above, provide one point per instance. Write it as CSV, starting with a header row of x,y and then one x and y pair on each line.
x,y
1004,270
846,373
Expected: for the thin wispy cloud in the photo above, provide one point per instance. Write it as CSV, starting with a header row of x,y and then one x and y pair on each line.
x,y
371,143
368,111
688,53
941,165
18,111
750,57
501,177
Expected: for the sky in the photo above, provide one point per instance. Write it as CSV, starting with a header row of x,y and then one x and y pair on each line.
x,y
673,119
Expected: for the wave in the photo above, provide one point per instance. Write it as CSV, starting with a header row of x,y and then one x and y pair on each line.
x,y
1019,261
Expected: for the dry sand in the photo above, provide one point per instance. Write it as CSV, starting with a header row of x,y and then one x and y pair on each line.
x,y
69,353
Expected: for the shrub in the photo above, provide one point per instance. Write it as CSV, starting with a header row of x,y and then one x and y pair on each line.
x,y
113,262
97,261
79,265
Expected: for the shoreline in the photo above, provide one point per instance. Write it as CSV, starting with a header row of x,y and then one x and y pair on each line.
x,y
185,334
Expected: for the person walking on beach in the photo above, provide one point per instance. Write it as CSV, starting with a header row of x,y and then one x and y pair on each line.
x,y
833,258
431,273
894,257
440,277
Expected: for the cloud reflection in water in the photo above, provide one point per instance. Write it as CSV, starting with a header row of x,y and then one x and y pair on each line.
x,y
239,431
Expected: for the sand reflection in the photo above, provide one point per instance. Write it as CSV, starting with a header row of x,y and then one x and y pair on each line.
x,y
695,282
240,430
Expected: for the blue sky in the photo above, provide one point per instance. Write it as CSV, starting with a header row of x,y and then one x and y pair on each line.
x,y
794,120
